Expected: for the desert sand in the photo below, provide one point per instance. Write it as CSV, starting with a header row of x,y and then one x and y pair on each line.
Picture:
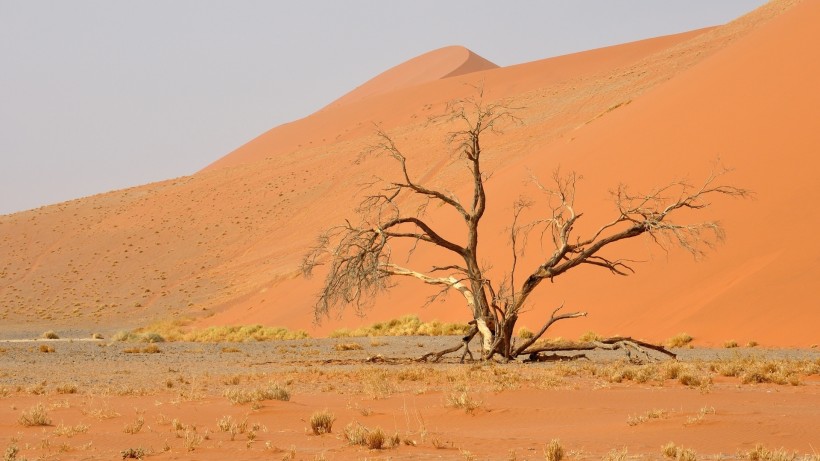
x,y
223,246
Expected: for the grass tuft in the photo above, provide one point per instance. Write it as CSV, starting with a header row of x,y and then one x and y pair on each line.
x,y
35,416
408,325
679,340
321,422
554,451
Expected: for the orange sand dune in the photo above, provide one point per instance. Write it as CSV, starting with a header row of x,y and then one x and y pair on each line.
x,y
445,62
225,244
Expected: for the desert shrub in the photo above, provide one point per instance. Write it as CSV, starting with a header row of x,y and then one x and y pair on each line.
x,y
589,337
152,338
676,453
35,416
321,422
730,344
408,325
463,401
134,427
679,340
554,451
761,453
525,333
348,347
133,453
46,348
66,388
752,344
615,455
375,439
50,335
270,392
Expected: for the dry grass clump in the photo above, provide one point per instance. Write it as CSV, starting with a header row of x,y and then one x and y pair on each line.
x,y
46,348
348,347
374,439
761,453
463,401
70,431
133,453
66,388
615,455
554,451
652,414
731,344
150,349
35,416
679,340
752,370
321,422
50,334
270,392
525,333
97,336
180,330
676,453
408,325
134,427
590,336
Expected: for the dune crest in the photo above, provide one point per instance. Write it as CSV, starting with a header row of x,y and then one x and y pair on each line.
x,y
444,62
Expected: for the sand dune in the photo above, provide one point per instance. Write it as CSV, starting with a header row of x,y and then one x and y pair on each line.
x,y
225,243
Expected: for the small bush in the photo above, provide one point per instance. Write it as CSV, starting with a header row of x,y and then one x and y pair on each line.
x,y
761,453
49,335
679,340
133,453
35,416
348,347
269,392
67,388
321,422
730,344
676,453
525,333
752,344
409,325
554,451
589,337
46,348
463,401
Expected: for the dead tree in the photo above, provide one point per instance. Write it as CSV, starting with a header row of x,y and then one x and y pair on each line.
x,y
361,263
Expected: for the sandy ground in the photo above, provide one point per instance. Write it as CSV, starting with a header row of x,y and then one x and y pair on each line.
x,y
101,400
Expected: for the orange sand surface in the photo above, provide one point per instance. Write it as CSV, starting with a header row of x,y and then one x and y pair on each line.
x,y
224,245
176,404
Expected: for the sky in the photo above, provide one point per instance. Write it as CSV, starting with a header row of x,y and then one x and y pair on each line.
x,y
103,95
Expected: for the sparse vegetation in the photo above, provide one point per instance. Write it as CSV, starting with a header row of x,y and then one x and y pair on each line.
x,y
269,392
463,401
553,451
321,422
676,453
408,325
46,348
35,416
679,340
374,439
180,330
50,335
133,453
730,344
761,453
525,333
348,347
652,414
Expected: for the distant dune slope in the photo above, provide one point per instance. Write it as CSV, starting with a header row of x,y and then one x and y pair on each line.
x,y
225,244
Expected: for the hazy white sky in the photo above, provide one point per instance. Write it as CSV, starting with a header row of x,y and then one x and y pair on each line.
x,y
101,95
